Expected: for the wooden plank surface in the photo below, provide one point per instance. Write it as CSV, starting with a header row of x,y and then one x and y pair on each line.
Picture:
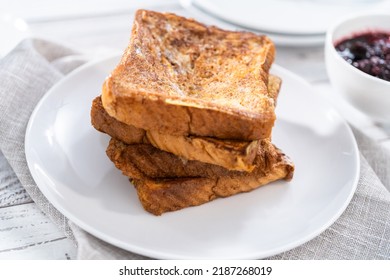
x,y
11,191
25,233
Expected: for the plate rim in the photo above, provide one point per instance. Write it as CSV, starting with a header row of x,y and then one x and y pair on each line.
x,y
282,39
166,255
203,6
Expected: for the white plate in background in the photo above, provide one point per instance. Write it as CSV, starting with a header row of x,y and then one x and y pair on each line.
x,y
67,160
294,17
281,39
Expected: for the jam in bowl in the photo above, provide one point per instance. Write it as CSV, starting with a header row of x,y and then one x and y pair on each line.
x,y
368,52
357,56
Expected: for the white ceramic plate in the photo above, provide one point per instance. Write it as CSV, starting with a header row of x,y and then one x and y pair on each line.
x,y
298,17
280,39
67,160
295,41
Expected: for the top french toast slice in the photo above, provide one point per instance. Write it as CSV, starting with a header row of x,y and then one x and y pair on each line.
x,y
180,77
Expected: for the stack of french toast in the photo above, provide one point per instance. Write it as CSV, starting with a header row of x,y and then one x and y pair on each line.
x,y
190,110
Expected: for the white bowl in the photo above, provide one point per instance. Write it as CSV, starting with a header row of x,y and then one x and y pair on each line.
x,y
367,93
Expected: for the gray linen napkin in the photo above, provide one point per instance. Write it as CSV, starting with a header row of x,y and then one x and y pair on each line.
x,y
362,232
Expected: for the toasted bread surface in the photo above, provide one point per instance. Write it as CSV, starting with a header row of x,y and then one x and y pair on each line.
x,y
103,122
165,195
180,77
143,161
165,182
230,154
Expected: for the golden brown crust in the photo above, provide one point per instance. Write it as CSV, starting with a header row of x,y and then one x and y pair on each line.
x,y
166,182
181,77
157,164
143,161
274,85
231,154
160,196
165,195
103,122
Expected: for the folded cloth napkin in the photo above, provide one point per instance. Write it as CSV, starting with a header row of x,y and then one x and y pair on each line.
x,y
34,66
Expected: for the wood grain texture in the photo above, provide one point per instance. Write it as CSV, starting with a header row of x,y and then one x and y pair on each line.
x,y
53,250
11,191
26,233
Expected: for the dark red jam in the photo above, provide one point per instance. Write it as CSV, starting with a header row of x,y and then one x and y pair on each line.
x,y
369,52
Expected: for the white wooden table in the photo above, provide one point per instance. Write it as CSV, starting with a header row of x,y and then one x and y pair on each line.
x,y
95,27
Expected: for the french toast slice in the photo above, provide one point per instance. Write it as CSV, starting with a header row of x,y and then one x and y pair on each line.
x,y
103,122
230,154
165,182
180,77
166,195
